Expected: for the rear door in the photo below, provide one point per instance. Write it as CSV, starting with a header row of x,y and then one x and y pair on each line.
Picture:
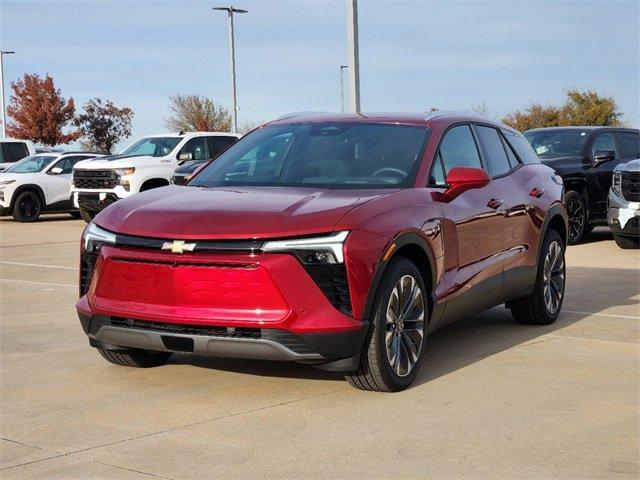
x,y
473,227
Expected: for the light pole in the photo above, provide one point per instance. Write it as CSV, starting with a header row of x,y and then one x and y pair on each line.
x,y
4,109
230,11
342,67
354,56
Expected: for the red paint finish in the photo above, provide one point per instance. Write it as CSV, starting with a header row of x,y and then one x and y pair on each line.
x,y
476,232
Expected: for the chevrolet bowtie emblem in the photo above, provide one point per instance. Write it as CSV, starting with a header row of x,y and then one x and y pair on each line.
x,y
178,246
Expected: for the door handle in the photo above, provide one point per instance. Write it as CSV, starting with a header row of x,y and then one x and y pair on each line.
x,y
495,203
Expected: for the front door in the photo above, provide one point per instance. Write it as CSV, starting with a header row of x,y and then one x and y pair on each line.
x,y
602,173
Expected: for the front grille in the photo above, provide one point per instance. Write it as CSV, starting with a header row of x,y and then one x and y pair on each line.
x,y
95,179
282,337
332,280
87,264
630,186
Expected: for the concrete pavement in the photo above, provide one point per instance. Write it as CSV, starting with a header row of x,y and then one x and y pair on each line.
x,y
494,399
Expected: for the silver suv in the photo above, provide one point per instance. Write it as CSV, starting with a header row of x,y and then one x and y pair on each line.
x,y
623,204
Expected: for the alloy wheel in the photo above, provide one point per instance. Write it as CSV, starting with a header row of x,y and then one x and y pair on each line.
x,y
404,328
576,218
553,277
29,207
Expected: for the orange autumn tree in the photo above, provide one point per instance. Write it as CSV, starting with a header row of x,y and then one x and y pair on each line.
x,y
39,112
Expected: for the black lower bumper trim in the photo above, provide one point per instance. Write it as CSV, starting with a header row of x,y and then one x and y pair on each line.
x,y
91,201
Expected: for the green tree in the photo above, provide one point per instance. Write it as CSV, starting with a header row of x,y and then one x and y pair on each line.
x,y
103,124
197,113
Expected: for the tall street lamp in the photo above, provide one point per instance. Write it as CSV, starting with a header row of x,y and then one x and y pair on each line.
x,y
230,11
4,109
354,55
342,67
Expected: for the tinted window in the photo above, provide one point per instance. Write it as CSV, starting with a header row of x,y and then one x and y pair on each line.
x,y
521,147
458,149
629,143
344,155
218,144
496,158
196,147
604,141
553,143
15,151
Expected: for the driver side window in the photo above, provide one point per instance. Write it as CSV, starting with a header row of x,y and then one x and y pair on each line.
x,y
196,147
604,141
457,149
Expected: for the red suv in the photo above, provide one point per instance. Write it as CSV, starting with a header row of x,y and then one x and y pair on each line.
x,y
339,241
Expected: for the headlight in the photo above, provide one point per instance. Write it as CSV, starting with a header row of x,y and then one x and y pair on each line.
x,y
325,250
94,237
616,183
123,172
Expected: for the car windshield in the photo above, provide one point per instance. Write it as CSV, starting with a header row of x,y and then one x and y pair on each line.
x,y
557,143
329,155
152,146
35,163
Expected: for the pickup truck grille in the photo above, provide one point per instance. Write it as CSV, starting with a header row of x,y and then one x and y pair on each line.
x,y
94,179
630,186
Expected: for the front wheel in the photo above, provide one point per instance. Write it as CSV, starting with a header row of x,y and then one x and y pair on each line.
x,y
578,216
627,242
135,358
394,349
543,306
27,207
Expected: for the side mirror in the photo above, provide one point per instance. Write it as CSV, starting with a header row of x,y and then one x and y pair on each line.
x,y
461,179
55,171
183,157
603,156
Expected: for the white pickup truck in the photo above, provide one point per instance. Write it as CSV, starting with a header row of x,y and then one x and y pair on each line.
x,y
147,163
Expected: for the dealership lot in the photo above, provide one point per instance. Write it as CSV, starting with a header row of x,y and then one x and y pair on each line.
x,y
494,399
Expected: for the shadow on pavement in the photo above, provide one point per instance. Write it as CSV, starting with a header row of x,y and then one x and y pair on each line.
x,y
474,338
45,217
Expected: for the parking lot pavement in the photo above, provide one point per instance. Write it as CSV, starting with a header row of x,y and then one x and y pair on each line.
x,y
494,400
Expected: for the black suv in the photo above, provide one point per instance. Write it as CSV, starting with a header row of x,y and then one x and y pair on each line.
x,y
585,158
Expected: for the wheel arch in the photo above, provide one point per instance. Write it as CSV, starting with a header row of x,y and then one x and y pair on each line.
x,y
416,249
28,187
577,184
154,182
556,219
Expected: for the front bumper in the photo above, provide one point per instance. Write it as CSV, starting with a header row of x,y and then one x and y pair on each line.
x,y
623,217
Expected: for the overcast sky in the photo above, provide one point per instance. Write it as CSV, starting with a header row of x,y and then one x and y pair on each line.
x,y
414,54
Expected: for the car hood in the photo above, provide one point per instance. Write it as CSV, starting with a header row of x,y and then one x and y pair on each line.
x,y
18,177
189,213
632,166
189,167
115,161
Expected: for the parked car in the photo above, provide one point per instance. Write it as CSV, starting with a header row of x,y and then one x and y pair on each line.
x,y
585,158
216,145
338,241
623,205
12,150
39,183
146,164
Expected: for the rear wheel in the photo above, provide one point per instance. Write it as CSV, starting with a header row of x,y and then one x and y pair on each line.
x,y
627,242
27,207
394,349
135,358
86,215
577,216
543,306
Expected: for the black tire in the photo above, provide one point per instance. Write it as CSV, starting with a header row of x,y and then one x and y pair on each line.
x,y
577,216
27,207
534,309
375,372
86,215
135,358
627,243
75,214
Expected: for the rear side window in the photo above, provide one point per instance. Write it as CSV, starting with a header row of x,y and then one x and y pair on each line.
x,y
496,157
218,144
629,143
521,147
14,151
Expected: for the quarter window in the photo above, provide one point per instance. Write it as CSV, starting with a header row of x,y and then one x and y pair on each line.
x,y
496,158
604,141
629,145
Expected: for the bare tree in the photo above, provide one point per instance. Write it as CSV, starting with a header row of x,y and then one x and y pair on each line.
x,y
197,113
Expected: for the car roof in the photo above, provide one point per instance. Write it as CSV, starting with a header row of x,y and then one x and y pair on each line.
x,y
582,127
426,119
192,134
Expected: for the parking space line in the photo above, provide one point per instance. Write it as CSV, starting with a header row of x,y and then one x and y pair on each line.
x,y
632,317
38,265
33,282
